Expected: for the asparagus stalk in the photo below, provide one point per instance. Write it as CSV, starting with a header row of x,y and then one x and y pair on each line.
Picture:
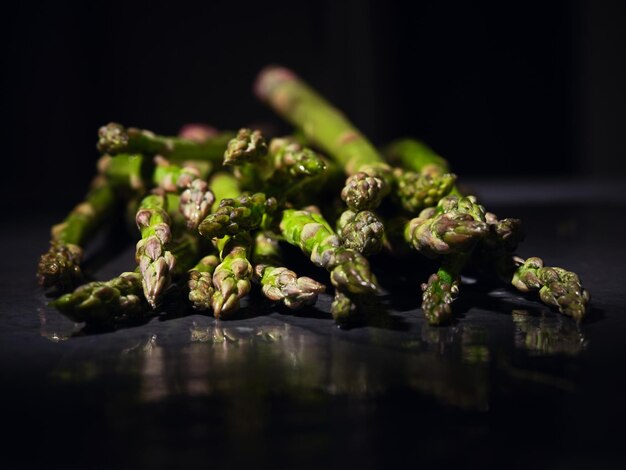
x,y
60,266
369,176
279,283
153,257
115,139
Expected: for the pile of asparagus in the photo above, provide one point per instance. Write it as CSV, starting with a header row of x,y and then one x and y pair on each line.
x,y
215,210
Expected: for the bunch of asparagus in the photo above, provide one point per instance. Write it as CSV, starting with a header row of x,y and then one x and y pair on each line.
x,y
215,210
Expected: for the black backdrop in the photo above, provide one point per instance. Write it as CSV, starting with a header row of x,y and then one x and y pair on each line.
x,y
504,88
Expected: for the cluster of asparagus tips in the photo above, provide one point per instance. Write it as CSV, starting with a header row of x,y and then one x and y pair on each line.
x,y
262,188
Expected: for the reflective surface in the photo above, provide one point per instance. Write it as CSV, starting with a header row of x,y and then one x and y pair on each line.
x,y
510,383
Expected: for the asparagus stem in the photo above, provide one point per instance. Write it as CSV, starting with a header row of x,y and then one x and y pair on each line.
x,y
115,139
279,283
153,257
60,266
224,186
349,270
328,128
361,231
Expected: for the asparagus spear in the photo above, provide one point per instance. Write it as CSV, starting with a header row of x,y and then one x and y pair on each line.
x,y
231,278
60,266
442,289
201,288
115,139
369,176
557,287
454,226
361,231
246,146
196,198
121,299
279,283
153,257
245,212
416,191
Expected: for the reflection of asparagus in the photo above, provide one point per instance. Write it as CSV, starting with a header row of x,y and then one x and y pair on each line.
x,y
279,283
115,139
325,126
245,212
362,231
154,259
60,266
231,277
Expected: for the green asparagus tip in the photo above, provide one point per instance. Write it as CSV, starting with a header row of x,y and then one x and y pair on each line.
x,y
352,273
342,308
112,138
60,266
362,231
247,147
364,192
437,298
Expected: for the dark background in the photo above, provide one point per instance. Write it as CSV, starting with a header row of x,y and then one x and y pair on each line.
x,y
520,89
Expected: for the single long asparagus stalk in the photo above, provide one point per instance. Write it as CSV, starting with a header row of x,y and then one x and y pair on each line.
x,y
115,139
278,282
60,266
153,256
231,278
369,176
